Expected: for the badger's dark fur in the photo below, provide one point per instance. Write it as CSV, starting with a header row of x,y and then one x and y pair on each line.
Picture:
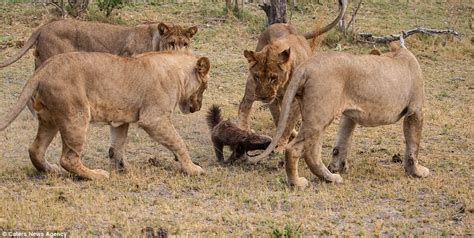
x,y
226,133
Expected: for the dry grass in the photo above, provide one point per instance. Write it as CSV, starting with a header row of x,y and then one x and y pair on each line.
x,y
375,199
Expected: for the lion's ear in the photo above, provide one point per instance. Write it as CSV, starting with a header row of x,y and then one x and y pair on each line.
x,y
284,56
163,29
250,55
203,65
190,32
375,52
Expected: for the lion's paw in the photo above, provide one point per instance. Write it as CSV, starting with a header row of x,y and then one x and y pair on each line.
x,y
120,167
335,178
193,170
338,167
99,174
418,171
300,183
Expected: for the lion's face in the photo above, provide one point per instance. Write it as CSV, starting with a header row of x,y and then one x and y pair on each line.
x,y
269,70
175,37
193,103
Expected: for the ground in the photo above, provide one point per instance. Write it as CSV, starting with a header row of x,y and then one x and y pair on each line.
x,y
376,198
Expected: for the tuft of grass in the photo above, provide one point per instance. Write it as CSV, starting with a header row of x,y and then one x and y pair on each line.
x,y
287,232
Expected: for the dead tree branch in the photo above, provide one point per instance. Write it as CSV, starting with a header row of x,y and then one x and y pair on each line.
x,y
353,15
369,38
59,5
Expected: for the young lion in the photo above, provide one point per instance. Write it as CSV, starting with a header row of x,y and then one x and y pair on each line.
x,y
369,90
280,49
73,36
74,89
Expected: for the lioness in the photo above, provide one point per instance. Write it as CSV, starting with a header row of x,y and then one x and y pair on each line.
x,y
72,90
72,36
272,66
369,90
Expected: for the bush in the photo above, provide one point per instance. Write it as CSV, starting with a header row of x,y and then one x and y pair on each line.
x,y
108,5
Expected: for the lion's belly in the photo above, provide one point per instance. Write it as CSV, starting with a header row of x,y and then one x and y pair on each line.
x,y
376,102
113,116
374,116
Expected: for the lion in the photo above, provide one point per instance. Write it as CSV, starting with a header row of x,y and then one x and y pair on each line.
x,y
369,90
75,36
227,133
72,90
271,69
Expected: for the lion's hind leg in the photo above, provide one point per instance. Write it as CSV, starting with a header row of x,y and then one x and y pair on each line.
x,y
343,144
412,127
73,134
118,140
46,133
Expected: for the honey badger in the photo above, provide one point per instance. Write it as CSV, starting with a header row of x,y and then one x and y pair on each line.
x,y
227,133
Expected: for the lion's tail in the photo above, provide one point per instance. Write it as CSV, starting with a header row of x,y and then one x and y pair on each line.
x,y
297,81
29,43
342,11
214,116
28,90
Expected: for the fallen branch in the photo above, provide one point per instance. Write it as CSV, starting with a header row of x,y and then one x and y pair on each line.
x,y
369,38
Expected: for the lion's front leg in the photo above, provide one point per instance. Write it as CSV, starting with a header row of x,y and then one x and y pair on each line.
x,y
118,140
162,130
246,105
293,153
312,154
289,133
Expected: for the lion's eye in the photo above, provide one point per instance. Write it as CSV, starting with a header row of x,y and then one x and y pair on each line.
x,y
273,78
185,44
256,78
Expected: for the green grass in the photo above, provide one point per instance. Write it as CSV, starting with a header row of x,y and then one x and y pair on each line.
x,y
376,197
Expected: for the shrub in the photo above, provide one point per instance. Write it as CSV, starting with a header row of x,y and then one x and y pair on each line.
x,y
108,6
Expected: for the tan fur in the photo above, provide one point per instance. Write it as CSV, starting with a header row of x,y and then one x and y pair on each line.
x,y
72,36
280,49
74,89
369,90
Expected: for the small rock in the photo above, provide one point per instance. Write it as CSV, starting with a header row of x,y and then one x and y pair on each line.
x,y
457,79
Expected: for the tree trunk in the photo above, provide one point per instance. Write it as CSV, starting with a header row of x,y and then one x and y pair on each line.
x,y
275,11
